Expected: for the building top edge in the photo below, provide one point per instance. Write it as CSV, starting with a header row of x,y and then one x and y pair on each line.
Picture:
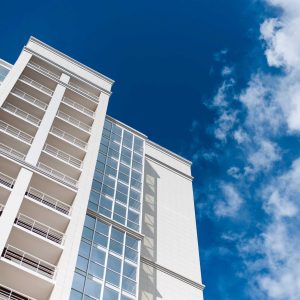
x,y
94,72
5,63
151,143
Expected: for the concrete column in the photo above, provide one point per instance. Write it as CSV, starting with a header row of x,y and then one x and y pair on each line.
x,y
14,75
46,123
13,205
68,259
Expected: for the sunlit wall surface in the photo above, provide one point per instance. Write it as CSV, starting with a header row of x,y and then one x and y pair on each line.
x,y
108,259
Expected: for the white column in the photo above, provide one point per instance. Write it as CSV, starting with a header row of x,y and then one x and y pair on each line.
x,y
46,123
68,259
14,75
13,205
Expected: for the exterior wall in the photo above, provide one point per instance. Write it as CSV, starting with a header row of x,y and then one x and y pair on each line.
x,y
169,225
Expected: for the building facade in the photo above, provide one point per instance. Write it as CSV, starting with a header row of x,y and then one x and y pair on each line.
x,y
90,208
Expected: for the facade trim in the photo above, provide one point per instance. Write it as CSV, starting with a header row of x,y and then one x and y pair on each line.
x,y
169,167
172,273
115,224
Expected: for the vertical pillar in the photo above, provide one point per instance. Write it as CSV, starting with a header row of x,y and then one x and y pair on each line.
x,y
13,205
46,123
14,75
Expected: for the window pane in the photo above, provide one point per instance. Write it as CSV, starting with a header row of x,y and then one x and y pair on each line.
x,y
96,270
116,247
129,285
92,288
129,271
89,222
113,278
81,263
87,233
75,295
110,294
132,242
114,263
131,254
98,255
84,249
117,235
120,210
78,282
102,227
100,239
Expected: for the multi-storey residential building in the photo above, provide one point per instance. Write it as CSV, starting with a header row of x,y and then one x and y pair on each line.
x,y
90,208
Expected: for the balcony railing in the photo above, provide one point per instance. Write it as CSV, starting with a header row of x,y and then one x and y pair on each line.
x,y
29,98
29,261
21,113
6,180
73,121
42,69
7,293
77,87
40,229
36,85
48,200
15,132
11,151
63,156
78,106
68,137
57,174
1,210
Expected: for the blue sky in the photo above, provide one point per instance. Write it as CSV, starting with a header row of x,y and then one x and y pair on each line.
x,y
217,81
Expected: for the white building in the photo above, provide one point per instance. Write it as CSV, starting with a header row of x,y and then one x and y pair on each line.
x,y
90,208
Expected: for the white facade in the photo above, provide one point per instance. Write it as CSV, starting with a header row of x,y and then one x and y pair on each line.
x,y
120,213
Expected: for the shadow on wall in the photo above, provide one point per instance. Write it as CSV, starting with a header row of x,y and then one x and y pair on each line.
x,y
148,274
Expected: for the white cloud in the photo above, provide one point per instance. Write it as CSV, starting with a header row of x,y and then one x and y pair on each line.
x,y
231,202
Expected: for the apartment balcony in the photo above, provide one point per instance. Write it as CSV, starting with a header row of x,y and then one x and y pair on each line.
x,y
7,293
64,140
57,174
27,103
15,138
12,152
78,107
42,88
86,90
44,70
20,270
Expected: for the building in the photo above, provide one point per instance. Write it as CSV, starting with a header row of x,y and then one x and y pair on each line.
x,y
90,208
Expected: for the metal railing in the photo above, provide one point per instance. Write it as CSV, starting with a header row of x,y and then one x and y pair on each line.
x,y
7,293
57,174
21,113
36,85
40,229
29,98
73,121
29,261
68,137
7,180
44,70
77,87
15,132
63,156
78,106
11,151
48,200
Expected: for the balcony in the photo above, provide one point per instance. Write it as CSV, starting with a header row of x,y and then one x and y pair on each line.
x,y
69,138
84,91
49,201
39,228
28,98
7,293
15,132
21,113
36,85
57,174
30,262
67,118
78,107
6,180
61,155
11,151
43,70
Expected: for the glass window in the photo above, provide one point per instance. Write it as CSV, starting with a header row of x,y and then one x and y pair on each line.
x,y
112,163
132,242
102,227
123,177
113,153
108,190
109,181
92,288
93,206
117,235
98,176
110,294
96,185
137,166
105,202
136,184
110,171
121,197
114,146
104,141
116,138
81,263
89,222
122,188
120,210
84,249
137,176
102,158
114,263
106,132
78,282
119,219
100,239
137,158
124,169
87,233
126,152
104,149
96,270
123,297
75,295
117,130
107,125
129,285
133,216
134,204
98,255
135,195
131,254
125,159
105,212
129,271
116,247
94,197
113,277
